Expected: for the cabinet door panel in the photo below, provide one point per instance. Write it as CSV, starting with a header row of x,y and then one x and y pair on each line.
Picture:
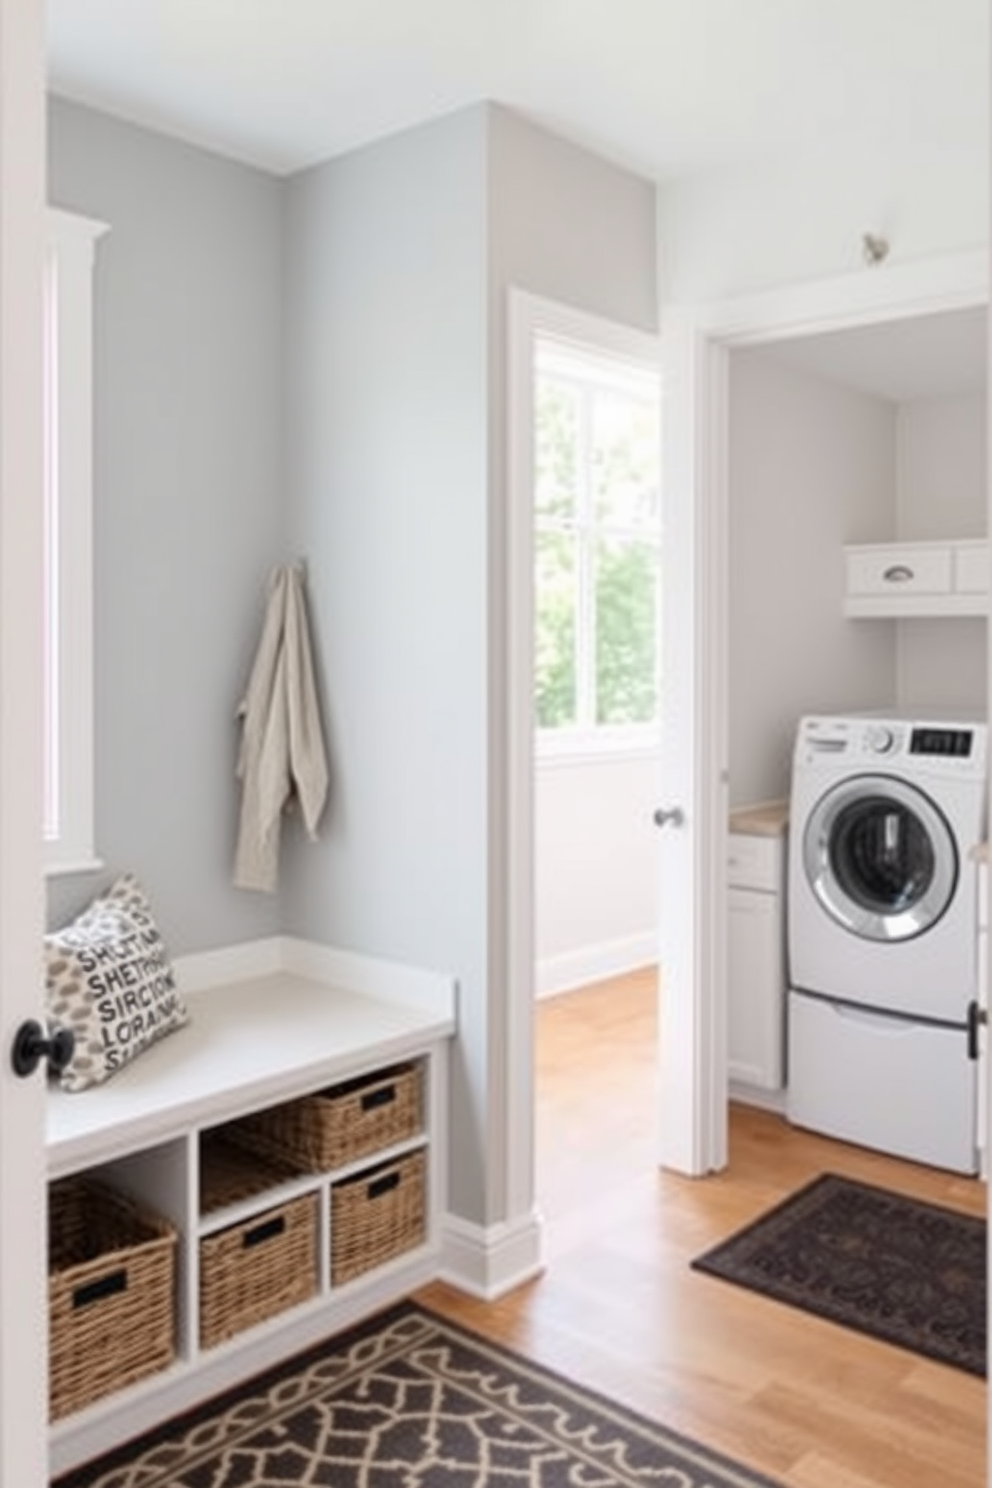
x,y
756,989
899,570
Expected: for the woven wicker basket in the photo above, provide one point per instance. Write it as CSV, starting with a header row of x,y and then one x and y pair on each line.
x,y
318,1133
253,1270
111,1293
377,1215
231,1173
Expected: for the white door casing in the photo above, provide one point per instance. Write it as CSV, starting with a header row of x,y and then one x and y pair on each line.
x,y
697,342
23,1245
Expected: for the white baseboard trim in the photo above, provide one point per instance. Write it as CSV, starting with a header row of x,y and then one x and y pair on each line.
x,y
595,963
755,1095
488,1261
411,986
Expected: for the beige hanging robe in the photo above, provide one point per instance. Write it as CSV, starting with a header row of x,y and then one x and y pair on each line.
x,y
282,756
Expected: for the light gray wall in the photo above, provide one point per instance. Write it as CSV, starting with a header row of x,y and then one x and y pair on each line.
x,y
812,466
189,503
398,257
315,368
941,455
385,415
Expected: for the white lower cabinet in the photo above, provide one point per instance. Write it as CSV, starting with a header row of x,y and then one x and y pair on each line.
x,y
292,1138
982,1102
756,963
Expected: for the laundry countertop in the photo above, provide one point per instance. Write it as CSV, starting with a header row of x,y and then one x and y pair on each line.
x,y
765,819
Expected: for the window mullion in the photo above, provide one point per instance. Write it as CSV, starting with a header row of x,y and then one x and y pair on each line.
x,y
585,629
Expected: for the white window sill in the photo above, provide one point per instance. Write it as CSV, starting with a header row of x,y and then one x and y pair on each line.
x,y
588,750
59,869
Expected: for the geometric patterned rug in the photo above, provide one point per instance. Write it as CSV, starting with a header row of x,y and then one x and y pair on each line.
x,y
905,1271
408,1400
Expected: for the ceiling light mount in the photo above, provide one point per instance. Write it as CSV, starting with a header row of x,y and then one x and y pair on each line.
x,y
874,248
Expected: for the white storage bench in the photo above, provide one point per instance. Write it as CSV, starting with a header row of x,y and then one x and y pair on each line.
x,y
158,1130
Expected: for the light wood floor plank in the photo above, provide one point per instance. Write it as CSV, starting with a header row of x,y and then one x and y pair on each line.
x,y
619,1309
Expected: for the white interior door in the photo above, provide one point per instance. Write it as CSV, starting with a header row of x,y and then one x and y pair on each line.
x,y
692,813
23,1291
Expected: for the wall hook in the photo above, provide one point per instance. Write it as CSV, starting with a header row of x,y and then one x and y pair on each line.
x,y
874,247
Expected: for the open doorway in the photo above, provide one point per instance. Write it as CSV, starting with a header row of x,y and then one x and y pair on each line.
x,y
706,341
843,445
596,511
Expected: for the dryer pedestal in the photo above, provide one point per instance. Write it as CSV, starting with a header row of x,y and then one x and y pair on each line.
x,y
890,1083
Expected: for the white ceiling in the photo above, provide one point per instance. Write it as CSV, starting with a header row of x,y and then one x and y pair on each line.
x,y
929,356
667,87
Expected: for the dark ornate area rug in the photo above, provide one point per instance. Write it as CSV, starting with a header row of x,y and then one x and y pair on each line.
x,y
908,1272
410,1401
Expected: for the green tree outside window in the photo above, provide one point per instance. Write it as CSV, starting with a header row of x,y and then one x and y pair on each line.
x,y
597,548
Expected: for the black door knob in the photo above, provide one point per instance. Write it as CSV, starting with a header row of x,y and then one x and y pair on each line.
x,y
31,1047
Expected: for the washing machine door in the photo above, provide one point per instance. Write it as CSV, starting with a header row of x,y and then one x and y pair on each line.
x,y
880,857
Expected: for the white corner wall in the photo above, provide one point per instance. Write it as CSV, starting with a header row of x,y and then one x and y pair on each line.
x,y
595,869
812,466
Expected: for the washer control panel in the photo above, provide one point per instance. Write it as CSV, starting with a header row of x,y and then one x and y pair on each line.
x,y
949,749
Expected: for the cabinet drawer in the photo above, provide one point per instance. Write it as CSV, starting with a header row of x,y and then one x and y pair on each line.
x,y
755,862
971,568
899,570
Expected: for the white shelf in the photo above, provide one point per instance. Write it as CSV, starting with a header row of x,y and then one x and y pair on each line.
x,y
917,579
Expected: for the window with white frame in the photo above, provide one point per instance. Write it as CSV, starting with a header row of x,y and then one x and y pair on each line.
x,y
597,549
68,564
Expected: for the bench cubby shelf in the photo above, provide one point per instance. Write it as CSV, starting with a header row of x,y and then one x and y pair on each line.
x,y
253,1045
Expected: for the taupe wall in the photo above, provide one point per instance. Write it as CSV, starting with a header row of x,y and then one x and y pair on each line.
x,y
812,466
942,462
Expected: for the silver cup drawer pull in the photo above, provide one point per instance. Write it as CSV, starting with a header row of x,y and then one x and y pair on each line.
x,y
898,573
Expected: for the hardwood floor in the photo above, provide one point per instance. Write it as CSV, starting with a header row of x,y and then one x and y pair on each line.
x,y
810,1403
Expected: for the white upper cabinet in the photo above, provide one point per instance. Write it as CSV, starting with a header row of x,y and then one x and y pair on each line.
x,y
917,578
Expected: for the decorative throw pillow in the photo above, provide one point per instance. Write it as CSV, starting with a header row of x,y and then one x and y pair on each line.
x,y
109,979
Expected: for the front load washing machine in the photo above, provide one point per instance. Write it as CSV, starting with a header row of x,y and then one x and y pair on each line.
x,y
882,932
